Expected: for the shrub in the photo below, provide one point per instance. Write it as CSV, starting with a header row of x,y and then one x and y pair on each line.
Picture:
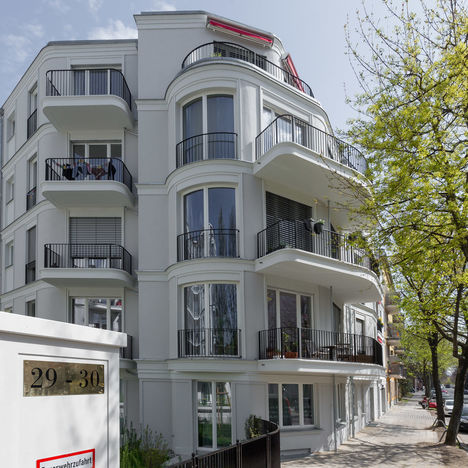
x,y
253,427
143,449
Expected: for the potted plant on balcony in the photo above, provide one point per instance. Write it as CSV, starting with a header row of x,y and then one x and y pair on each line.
x,y
273,353
318,226
380,324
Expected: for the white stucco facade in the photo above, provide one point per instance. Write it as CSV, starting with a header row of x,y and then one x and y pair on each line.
x,y
212,295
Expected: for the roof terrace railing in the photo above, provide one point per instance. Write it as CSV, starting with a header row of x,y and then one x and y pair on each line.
x,y
215,50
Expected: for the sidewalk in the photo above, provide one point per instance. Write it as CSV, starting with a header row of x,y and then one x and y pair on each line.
x,y
400,438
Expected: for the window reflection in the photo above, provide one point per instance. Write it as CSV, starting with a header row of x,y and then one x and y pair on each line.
x,y
97,313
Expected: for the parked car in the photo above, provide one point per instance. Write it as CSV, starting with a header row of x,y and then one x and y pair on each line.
x,y
432,404
448,407
464,419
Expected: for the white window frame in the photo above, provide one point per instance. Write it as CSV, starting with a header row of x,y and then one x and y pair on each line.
x,y
204,98
213,412
11,126
341,402
298,306
301,404
32,98
206,285
10,190
9,253
108,311
32,172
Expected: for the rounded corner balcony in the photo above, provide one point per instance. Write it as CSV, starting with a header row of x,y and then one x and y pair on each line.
x,y
87,182
229,50
97,99
206,147
294,153
209,343
86,265
288,248
208,243
322,345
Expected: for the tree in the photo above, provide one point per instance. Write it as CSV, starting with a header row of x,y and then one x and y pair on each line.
x,y
413,121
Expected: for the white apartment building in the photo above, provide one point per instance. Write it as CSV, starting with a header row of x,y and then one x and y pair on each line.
x,y
186,188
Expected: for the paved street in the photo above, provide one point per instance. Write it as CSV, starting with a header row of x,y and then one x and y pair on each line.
x,y
400,438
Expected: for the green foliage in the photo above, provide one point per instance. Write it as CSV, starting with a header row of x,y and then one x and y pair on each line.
x,y
143,449
413,127
253,427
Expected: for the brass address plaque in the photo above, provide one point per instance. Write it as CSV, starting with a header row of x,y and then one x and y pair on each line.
x,y
50,378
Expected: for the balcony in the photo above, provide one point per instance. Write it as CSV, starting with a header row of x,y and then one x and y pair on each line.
x,y
30,272
208,146
393,335
31,198
87,265
208,243
31,126
97,99
209,342
295,154
87,182
397,371
394,359
223,51
392,299
306,343
288,249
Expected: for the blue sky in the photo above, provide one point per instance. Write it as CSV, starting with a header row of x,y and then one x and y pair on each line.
x,y
311,30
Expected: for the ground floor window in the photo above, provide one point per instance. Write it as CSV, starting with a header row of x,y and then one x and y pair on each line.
x,y
291,404
103,313
214,414
341,402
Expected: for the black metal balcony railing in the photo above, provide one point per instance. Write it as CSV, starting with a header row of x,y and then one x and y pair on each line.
x,y
32,124
209,342
294,234
87,256
208,243
215,145
88,169
31,198
262,451
90,82
306,343
127,353
222,50
287,128
30,272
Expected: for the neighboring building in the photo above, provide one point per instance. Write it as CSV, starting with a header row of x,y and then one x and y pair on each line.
x,y
186,188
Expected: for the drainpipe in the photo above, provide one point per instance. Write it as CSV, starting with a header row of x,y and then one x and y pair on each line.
x,y
334,414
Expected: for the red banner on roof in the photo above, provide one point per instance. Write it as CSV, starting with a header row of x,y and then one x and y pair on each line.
x,y
265,40
292,69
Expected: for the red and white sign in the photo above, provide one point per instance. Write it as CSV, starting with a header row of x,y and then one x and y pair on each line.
x,y
84,459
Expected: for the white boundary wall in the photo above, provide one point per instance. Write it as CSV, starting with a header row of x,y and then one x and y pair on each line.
x,y
39,427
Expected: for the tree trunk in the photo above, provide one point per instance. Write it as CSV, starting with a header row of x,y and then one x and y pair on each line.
x,y
433,341
427,384
452,430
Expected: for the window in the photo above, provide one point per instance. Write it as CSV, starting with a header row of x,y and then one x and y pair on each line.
x,y
30,255
291,404
98,160
9,254
31,308
210,319
210,223
11,126
96,242
32,99
214,414
32,182
289,310
208,129
97,312
10,189
341,402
